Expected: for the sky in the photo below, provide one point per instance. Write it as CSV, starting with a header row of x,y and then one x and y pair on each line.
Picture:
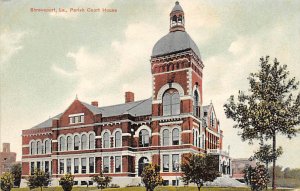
x,y
47,59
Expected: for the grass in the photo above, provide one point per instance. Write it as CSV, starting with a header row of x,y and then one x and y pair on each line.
x,y
162,188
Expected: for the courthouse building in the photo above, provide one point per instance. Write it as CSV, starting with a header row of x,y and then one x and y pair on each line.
x,y
120,140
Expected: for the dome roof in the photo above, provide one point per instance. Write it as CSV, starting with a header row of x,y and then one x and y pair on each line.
x,y
175,42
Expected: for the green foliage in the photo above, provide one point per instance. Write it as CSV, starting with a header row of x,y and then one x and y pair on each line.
x,y
102,181
16,171
67,182
151,177
269,108
199,169
257,177
265,153
38,179
7,181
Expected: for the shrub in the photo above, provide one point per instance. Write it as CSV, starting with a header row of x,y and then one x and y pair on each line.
x,y
38,179
67,182
7,181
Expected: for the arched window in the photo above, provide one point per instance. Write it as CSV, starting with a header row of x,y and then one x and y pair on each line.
x,y
106,140
166,137
62,144
83,142
171,102
47,146
69,143
33,148
76,142
91,141
144,138
175,136
118,139
39,147
174,20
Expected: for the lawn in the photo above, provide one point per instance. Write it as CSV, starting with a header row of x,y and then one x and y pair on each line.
x,y
164,188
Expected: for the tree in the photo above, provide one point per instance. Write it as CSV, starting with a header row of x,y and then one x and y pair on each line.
x,y
38,179
102,181
265,154
257,177
67,182
151,177
269,109
16,171
199,169
7,181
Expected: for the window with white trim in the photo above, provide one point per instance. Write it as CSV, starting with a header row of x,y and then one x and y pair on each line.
x,y
105,164
69,143
47,146
166,137
62,143
39,147
33,148
83,165
91,141
118,139
91,165
175,163
76,142
166,165
76,118
171,102
106,140
76,165
83,142
69,165
61,166
175,136
144,138
118,164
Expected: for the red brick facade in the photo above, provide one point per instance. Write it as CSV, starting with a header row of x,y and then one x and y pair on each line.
x,y
119,140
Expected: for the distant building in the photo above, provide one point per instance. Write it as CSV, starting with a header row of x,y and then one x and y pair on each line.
x,y
7,158
238,165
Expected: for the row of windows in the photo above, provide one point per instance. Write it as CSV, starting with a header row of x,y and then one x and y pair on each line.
x,y
166,137
77,165
41,165
40,147
199,140
117,141
76,119
76,142
106,164
171,159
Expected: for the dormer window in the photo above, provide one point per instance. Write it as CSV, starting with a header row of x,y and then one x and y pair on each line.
x,y
212,119
76,118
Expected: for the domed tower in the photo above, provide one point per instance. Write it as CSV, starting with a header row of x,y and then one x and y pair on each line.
x,y
176,67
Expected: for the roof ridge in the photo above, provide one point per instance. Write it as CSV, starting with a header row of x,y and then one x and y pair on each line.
x,y
123,103
142,101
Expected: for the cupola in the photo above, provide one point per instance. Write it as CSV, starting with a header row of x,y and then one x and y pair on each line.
x,y
177,18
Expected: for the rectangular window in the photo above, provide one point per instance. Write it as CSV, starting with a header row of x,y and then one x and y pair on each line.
x,y
82,119
83,166
118,164
61,166
76,165
69,164
31,168
46,166
175,163
38,165
166,163
91,165
105,164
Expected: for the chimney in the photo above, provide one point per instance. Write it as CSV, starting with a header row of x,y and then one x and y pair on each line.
x,y
94,103
129,97
6,147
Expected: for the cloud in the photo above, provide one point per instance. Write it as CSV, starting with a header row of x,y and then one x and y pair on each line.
x,y
10,44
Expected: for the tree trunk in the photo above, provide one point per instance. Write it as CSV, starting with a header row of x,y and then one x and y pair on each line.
x,y
274,162
199,188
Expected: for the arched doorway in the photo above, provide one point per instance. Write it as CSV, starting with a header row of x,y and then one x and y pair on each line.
x,y
143,161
